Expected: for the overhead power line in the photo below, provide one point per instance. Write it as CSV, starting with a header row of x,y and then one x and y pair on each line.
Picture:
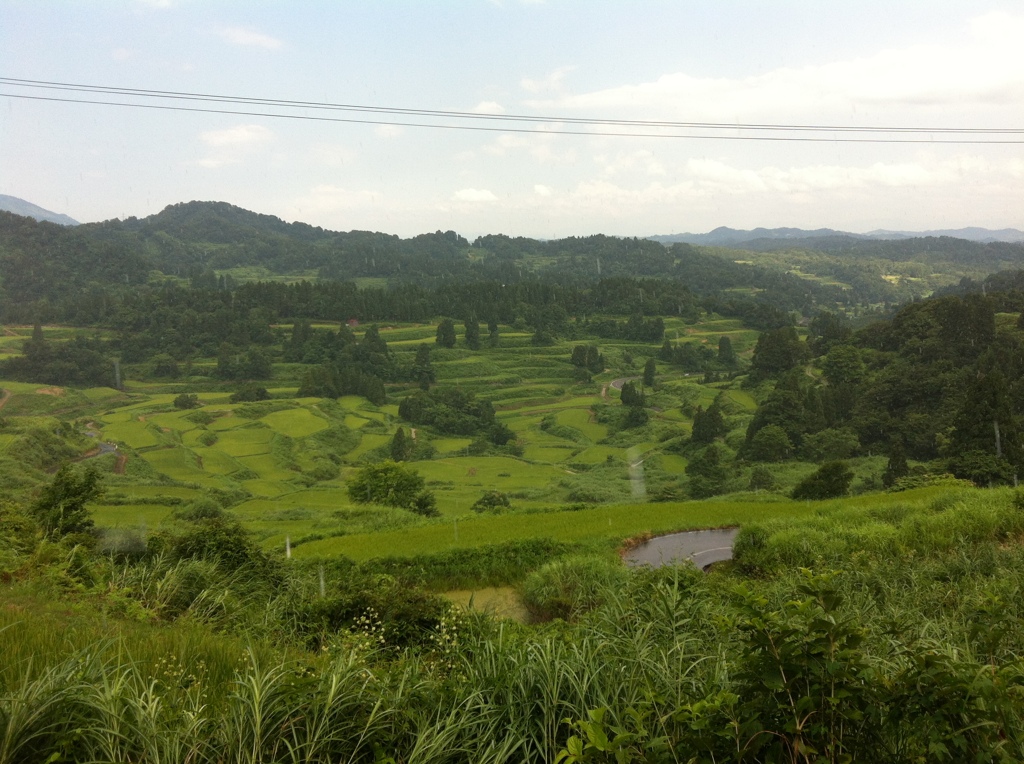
x,y
167,100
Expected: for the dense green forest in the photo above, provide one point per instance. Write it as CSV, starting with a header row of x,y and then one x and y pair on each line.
x,y
270,493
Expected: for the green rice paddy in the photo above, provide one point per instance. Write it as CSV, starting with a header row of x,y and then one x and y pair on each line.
x,y
271,468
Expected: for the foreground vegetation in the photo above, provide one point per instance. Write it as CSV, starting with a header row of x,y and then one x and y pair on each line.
x,y
887,632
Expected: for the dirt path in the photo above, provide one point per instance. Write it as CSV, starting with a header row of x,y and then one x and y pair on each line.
x,y
4,398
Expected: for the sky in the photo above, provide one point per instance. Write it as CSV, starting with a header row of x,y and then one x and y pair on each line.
x,y
928,64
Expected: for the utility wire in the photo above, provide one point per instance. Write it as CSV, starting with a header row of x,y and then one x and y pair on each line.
x,y
985,135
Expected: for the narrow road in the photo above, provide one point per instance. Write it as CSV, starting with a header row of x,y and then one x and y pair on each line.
x,y
702,548
103,448
616,384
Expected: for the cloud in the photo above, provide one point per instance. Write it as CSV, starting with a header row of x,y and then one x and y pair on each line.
x,y
250,38
474,195
325,199
488,107
983,68
388,131
542,190
233,144
551,83
544,147
632,161
121,54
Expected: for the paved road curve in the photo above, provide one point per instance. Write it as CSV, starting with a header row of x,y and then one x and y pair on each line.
x,y
699,547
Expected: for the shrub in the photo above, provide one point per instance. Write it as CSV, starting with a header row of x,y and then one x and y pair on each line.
x,y
572,586
391,484
60,509
762,479
492,501
830,481
17,530
770,444
187,401
250,392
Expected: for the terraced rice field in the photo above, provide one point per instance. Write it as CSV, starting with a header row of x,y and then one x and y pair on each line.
x,y
267,462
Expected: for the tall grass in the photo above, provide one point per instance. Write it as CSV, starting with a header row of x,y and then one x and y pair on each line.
x,y
904,642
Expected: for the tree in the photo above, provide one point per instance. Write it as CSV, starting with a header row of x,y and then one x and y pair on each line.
x,y
650,369
831,444
60,508
843,365
422,369
254,364
446,333
472,333
492,333
391,484
708,425
897,466
493,502
830,481
249,393
777,350
401,446
986,420
984,468
631,396
187,401
726,355
770,444
425,503
825,331
164,367
636,416
707,472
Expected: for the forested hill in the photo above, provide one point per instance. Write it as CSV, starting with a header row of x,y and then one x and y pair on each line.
x,y
996,255
68,273
205,241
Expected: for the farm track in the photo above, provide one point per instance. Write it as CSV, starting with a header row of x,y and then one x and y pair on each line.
x,y
102,449
616,384
4,398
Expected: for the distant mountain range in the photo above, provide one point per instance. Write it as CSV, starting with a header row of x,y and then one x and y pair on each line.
x,y
730,237
29,210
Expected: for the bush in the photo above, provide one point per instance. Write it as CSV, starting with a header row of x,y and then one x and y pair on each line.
x,y
830,481
17,530
493,502
762,479
61,507
393,485
249,393
572,586
187,401
770,444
